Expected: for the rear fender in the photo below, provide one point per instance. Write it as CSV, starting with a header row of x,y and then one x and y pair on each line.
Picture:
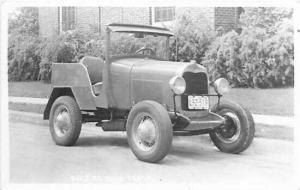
x,y
56,92
84,99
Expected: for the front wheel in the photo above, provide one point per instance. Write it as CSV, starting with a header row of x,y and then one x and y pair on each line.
x,y
238,132
149,131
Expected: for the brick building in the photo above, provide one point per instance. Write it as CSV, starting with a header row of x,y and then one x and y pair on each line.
x,y
54,20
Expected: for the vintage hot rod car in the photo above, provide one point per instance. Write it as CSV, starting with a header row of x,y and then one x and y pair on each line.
x,y
147,96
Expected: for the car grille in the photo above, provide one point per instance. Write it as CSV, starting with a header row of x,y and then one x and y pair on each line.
x,y
196,84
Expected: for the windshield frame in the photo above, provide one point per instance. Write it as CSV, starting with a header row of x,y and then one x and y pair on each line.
x,y
136,29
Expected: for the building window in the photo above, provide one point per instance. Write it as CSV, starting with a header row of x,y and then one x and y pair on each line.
x,y
68,18
150,15
225,18
164,14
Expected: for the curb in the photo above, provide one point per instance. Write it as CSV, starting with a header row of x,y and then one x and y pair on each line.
x,y
27,100
262,131
27,117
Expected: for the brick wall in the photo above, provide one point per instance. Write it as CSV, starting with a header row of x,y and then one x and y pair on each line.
x,y
203,15
136,15
87,18
48,21
110,14
226,17
131,15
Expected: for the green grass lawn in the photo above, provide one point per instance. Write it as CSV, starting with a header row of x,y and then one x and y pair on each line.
x,y
35,108
29,89
265,101
261,101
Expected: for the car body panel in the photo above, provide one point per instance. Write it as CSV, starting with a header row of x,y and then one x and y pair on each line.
x,y
75,76
120,78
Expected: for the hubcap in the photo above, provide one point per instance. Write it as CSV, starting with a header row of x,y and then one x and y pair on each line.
x,y
62,122
144,130
232,129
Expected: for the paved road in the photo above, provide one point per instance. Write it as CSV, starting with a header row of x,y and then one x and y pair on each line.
x,y
105,157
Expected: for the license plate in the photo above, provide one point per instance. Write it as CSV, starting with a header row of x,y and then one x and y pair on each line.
x,y
198,102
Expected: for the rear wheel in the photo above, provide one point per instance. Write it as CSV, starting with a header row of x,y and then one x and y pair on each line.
x,y
65,121
149,131
238,132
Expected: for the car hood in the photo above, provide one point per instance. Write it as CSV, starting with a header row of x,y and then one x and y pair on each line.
x,y
143,68
148,79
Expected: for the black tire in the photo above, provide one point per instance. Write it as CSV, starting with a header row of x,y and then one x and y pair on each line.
x,y
66,105
146,111
241,136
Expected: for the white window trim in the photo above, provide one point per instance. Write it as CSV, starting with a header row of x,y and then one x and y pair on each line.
x,y
161,23
60,20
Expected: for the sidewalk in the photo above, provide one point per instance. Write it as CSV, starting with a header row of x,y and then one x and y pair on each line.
x,y
274,120
258,118
41,101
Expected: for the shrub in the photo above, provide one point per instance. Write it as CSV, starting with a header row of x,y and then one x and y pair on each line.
x,y
53,50
69,47
23,58
22,42
193,38
24,21
253,59
280,51
95,47
265,17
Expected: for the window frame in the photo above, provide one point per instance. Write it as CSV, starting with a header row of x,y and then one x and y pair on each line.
x,y
65,17
164,14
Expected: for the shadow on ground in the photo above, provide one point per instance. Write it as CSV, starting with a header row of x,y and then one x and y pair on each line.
x,y
187,148
102,141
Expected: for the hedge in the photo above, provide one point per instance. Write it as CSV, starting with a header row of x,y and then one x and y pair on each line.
x,y
253,58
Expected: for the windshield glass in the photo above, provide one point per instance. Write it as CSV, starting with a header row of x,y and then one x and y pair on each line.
x,y
138,44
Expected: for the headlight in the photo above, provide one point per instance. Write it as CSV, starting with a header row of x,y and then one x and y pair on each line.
x,y
177,84
221,86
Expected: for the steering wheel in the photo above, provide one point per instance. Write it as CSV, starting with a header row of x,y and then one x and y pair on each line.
x,y
143,49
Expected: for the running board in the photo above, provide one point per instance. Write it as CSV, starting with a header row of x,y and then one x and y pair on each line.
x,y
114,125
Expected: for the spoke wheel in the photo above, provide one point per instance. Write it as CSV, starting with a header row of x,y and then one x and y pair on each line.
x,y
149,131
62,122
144,131
232,128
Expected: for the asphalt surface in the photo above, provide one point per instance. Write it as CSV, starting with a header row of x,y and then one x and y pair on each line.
x,y
105,157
